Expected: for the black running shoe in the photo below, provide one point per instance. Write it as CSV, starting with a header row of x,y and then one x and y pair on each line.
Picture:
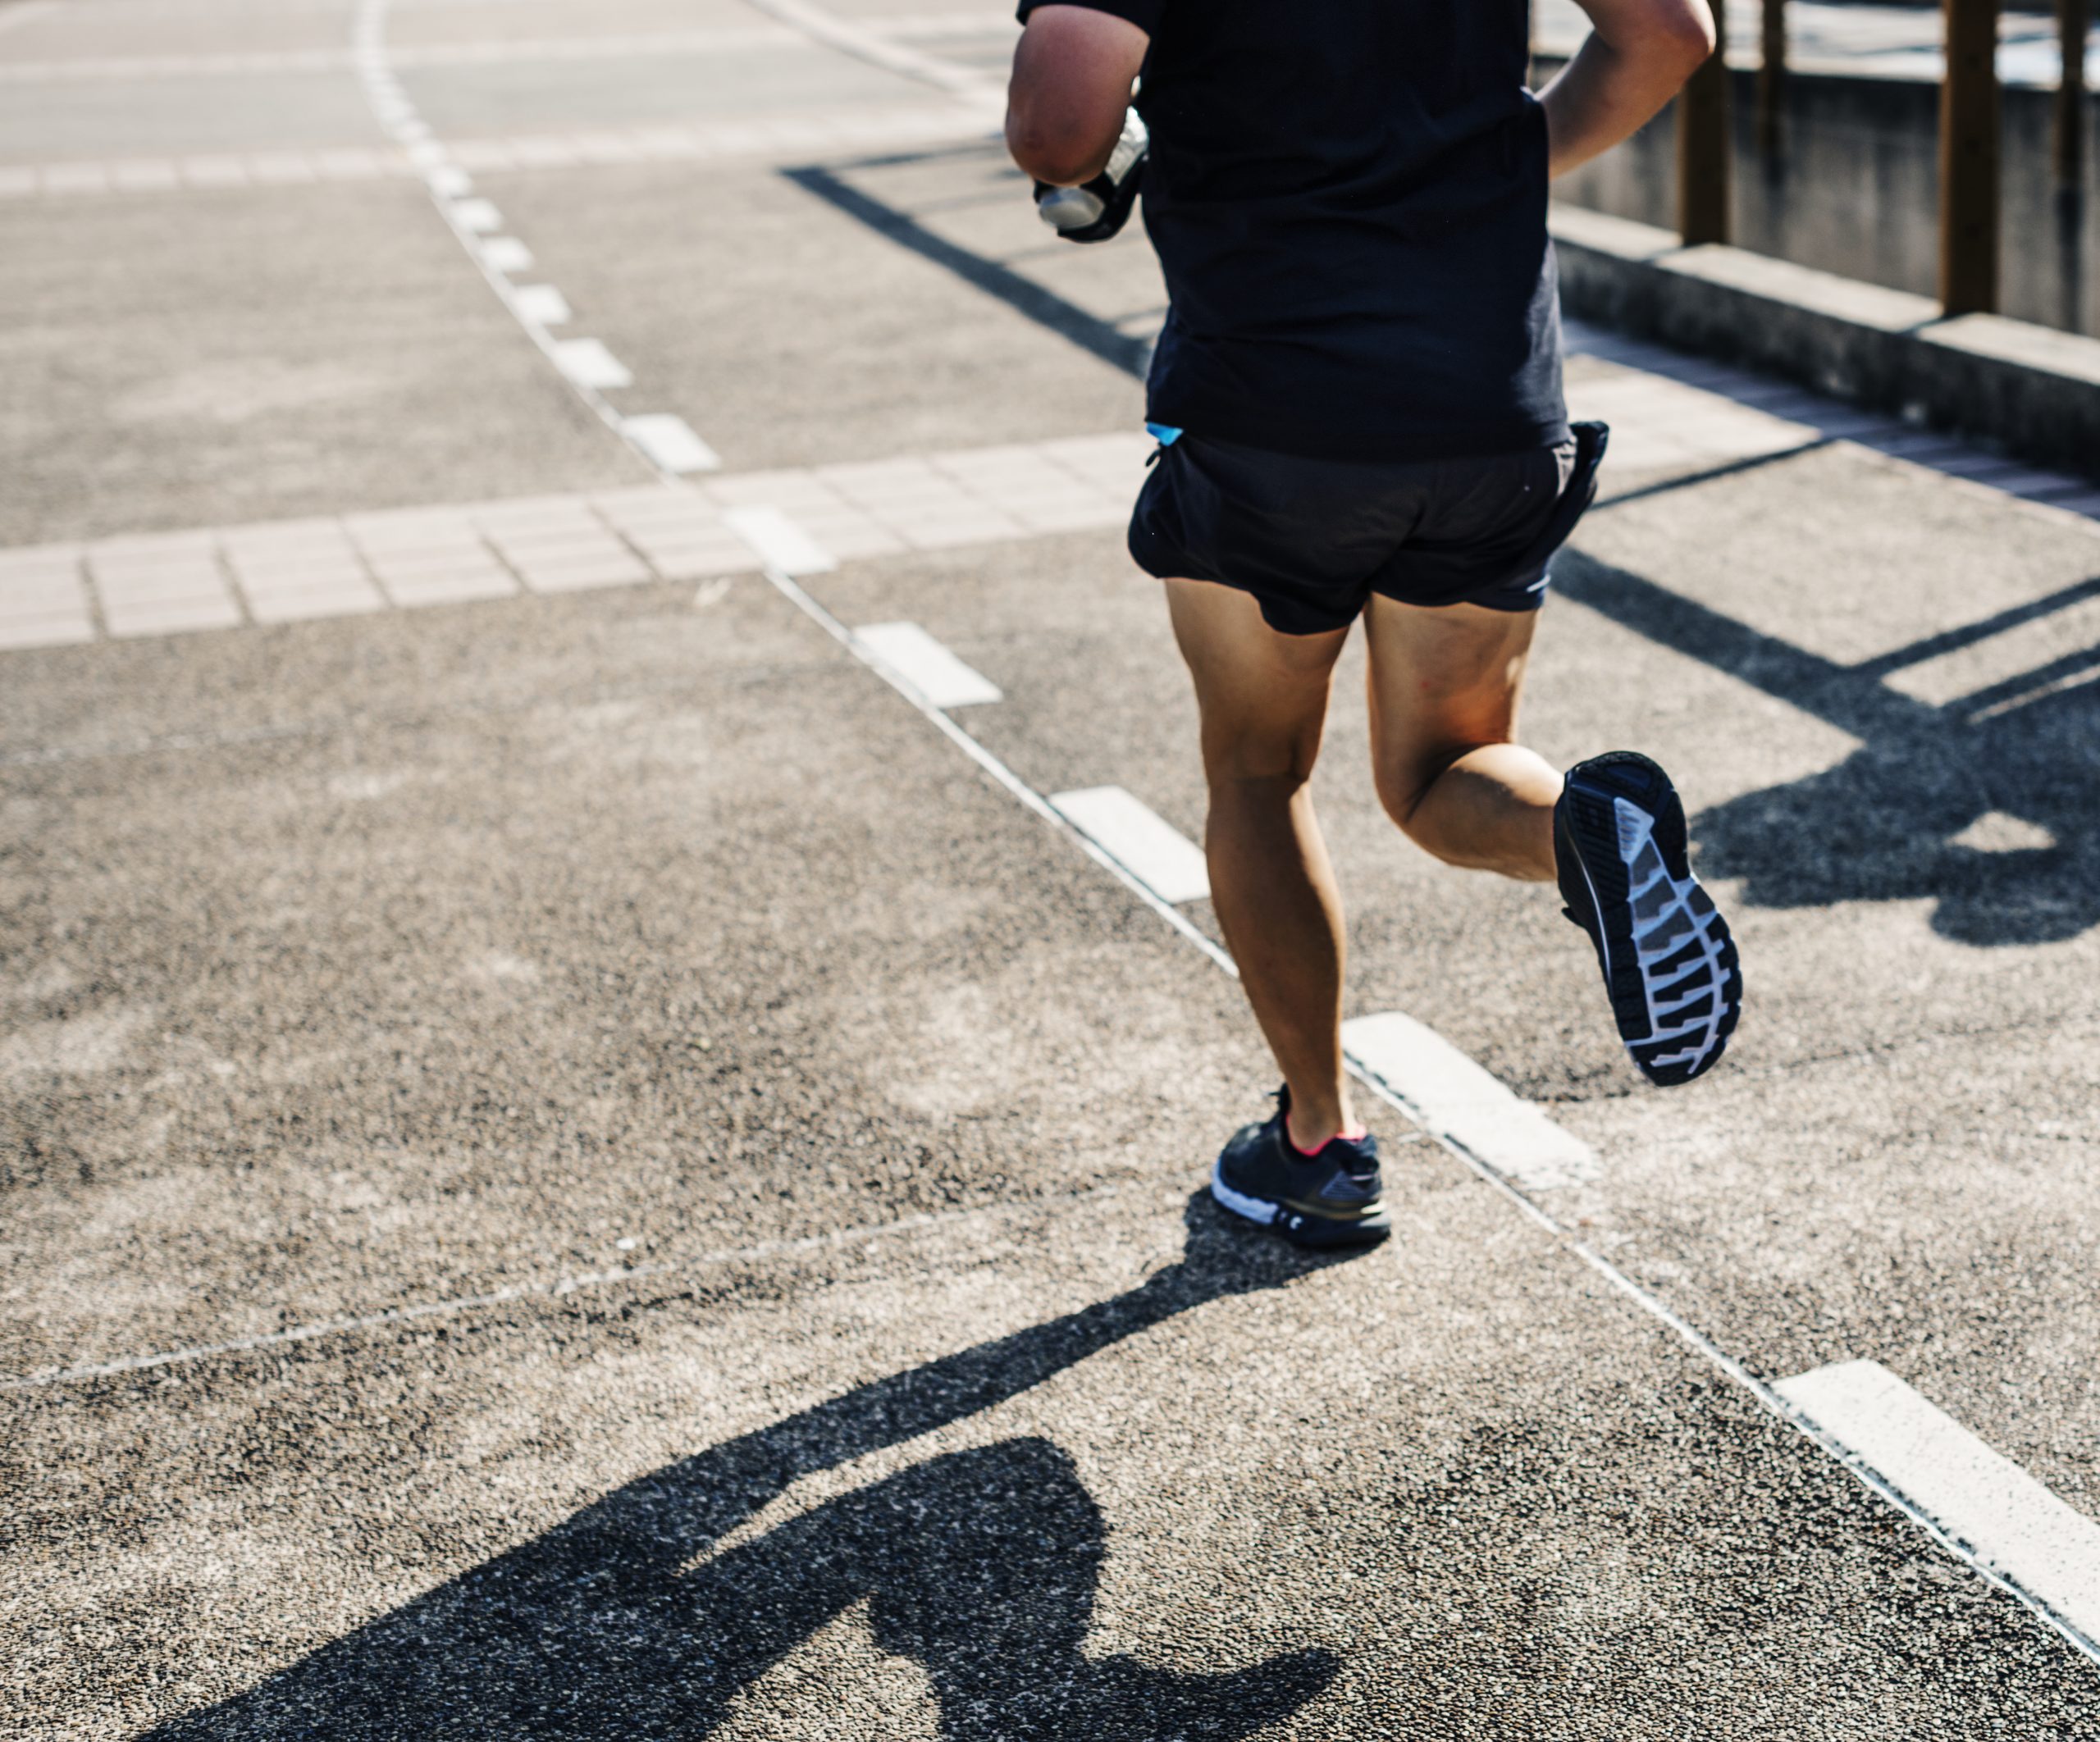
x,y
1330,1198
1668,962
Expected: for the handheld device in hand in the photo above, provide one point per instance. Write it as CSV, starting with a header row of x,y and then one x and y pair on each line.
x,y
1095,210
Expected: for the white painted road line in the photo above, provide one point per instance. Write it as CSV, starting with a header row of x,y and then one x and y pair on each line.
x,y
505,254
1446,1093
1983,1501
543,305
478,216
668,442
1139,839
588,363
909,652
778,541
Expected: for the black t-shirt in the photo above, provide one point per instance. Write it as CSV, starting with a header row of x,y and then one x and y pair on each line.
x,y
1349,200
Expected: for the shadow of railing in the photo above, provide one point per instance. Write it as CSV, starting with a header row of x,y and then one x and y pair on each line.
x,y
622,1621
1881,826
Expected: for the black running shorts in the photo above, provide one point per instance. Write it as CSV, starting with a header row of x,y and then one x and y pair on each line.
x,y
1313,539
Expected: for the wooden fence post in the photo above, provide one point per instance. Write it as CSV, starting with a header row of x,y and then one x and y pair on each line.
x,y
2072,17
1969,159
1703,145
1771,78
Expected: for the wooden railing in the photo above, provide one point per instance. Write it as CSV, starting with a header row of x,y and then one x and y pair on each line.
x,y
1969,150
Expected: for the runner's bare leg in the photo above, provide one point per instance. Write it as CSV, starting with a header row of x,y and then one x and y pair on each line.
x,y
1263,698
1445,684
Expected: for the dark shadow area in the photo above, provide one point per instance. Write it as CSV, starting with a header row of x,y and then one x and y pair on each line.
x,y
1881,825
1731,469
980,1565
1089,332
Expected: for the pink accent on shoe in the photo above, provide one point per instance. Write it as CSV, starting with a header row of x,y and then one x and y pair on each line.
x,y
1357,1136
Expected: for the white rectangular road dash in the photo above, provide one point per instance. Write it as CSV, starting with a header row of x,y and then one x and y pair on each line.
x,y
506,254
1451,1095
670,441
912,655
1982,1500
778,541
1139,839
588,363
543,305
478,216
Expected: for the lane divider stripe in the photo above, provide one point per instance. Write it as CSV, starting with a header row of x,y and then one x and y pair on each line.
x,y
1975,1495
780,544
1143,842
668,442
1443,1091
907,652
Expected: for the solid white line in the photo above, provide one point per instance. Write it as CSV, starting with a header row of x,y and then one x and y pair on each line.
x,y
668,442
554,1289
1166,860
910,653
780,544
2005,1519
1446,1092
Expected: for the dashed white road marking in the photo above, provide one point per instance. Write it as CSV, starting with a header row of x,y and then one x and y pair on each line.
x,y
506,255
476,216
1445,1091
909,652
1139,839
669,443
588,363
1980,1499
545,306
591,369
779,541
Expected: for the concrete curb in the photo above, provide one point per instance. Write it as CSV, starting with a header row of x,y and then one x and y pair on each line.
x,y
2030,390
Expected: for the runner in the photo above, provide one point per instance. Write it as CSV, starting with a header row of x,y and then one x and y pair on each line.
x,y
1358,399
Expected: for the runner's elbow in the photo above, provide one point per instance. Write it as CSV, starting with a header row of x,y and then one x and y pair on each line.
x,y
1063,154
1682,34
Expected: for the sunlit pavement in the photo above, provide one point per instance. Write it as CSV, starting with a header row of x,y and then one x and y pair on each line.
x,y
586,1153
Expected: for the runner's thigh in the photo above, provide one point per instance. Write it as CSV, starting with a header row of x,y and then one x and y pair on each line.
x,y
1443,680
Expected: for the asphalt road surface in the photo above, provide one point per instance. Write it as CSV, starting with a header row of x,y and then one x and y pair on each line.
x,y
587,1152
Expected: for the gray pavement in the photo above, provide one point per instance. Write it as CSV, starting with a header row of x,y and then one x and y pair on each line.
x,y
575,1168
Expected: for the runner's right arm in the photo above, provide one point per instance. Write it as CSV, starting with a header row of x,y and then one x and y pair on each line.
x,y
1636,57
1071,86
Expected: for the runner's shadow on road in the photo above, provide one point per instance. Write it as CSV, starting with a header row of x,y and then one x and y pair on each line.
x,y
623,1622
1885,824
